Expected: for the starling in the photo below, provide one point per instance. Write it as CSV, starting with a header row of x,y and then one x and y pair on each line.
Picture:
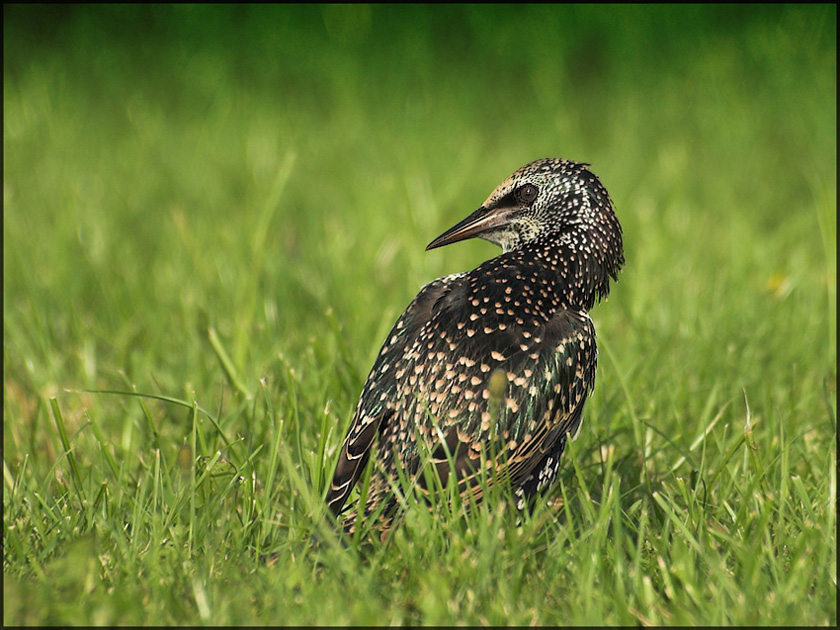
x,y
491,367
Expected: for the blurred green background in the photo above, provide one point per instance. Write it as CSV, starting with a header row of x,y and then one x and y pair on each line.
x,y
271,175
142,144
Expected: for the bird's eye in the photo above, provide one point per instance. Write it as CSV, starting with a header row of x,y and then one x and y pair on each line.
x,y
527,193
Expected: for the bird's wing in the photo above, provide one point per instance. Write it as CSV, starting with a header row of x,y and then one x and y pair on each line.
x,y
355,453
375,410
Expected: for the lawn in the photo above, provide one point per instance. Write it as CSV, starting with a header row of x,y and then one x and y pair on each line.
x,y
213,215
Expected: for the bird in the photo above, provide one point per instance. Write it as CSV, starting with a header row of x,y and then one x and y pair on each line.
x,y
490,368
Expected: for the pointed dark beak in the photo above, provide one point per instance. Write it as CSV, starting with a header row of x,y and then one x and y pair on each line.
x,y
479,222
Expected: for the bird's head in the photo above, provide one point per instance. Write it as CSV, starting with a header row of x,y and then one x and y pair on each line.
x,y
550,203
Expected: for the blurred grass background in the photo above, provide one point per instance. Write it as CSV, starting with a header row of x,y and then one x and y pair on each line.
x,y
259,182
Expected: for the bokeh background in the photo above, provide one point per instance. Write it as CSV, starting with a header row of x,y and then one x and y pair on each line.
x,y
199,197
142,146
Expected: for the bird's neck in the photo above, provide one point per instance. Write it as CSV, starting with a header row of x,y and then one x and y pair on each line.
x,y
577,272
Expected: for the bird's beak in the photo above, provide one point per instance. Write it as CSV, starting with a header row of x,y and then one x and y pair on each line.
x,y
479,222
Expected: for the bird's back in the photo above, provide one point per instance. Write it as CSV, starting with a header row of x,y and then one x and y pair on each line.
x,y
488,356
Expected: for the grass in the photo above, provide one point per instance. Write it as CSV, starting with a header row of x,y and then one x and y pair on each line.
x,y
212,216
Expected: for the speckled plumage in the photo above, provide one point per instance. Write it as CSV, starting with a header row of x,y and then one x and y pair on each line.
x,y
493,364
